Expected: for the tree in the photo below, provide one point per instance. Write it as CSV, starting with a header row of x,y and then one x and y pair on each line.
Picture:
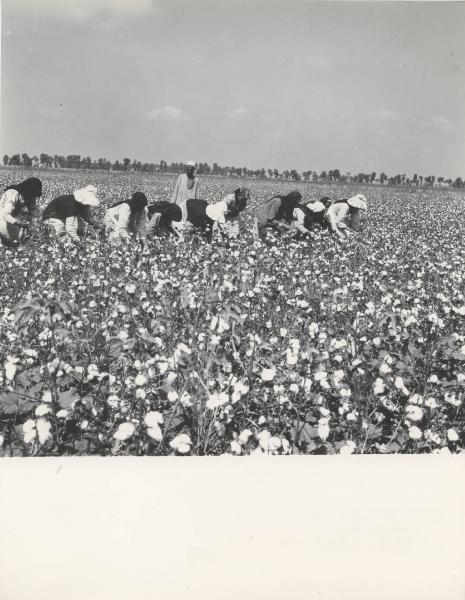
x,y
458,183
415,179
383,178
5,159
126,163
27,162
372,176
15,160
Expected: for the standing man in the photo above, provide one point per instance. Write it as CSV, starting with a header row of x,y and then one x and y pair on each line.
x,y
186,188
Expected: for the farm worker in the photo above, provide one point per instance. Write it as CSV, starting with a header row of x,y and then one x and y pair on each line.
x,y
66,215
274,212
127,219
186,188
305,216
218,217
346,213
164,218
18,204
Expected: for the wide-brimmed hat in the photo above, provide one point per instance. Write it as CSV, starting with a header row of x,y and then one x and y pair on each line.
x,y
87,196
316,206
358,201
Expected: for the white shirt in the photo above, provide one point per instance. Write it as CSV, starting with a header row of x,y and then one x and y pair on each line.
x,y
217,212
336,214
123,222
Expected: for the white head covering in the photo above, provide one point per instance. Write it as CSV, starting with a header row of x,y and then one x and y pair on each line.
x,y
190,163
358,201
87,196
316,206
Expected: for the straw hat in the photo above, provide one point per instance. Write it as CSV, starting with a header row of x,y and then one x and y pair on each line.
x,y
358,201
316,206
87,196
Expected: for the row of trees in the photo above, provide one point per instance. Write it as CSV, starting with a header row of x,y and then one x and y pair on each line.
x,y
75,161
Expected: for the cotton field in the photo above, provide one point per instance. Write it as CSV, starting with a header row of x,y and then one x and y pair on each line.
x,y
298,346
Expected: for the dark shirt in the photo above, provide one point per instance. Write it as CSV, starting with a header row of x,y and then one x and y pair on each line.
x,y
169,212
67,206
197,213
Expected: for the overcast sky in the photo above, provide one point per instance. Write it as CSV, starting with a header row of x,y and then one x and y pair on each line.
x,y
355,86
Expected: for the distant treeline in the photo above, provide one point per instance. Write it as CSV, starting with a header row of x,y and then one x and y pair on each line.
x,y
75,161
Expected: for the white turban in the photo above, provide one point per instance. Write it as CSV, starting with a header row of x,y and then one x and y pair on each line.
x,y
87,196
358,201
190,163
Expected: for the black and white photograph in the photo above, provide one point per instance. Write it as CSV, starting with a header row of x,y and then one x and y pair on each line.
x,y
232,228
232,300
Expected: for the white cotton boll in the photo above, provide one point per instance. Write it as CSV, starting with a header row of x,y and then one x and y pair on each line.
x,y
217,399
42,410
155,433
270,444
452,435
29,431
140,380
153,419
181,443
173,396
313,329
236,447
10,370
186,400
140,393
399,383
171,378
124,431
323,431
431,403
268,374
291,358
415,433
44,428
62,414
320,376
244,436
413,413
349,448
